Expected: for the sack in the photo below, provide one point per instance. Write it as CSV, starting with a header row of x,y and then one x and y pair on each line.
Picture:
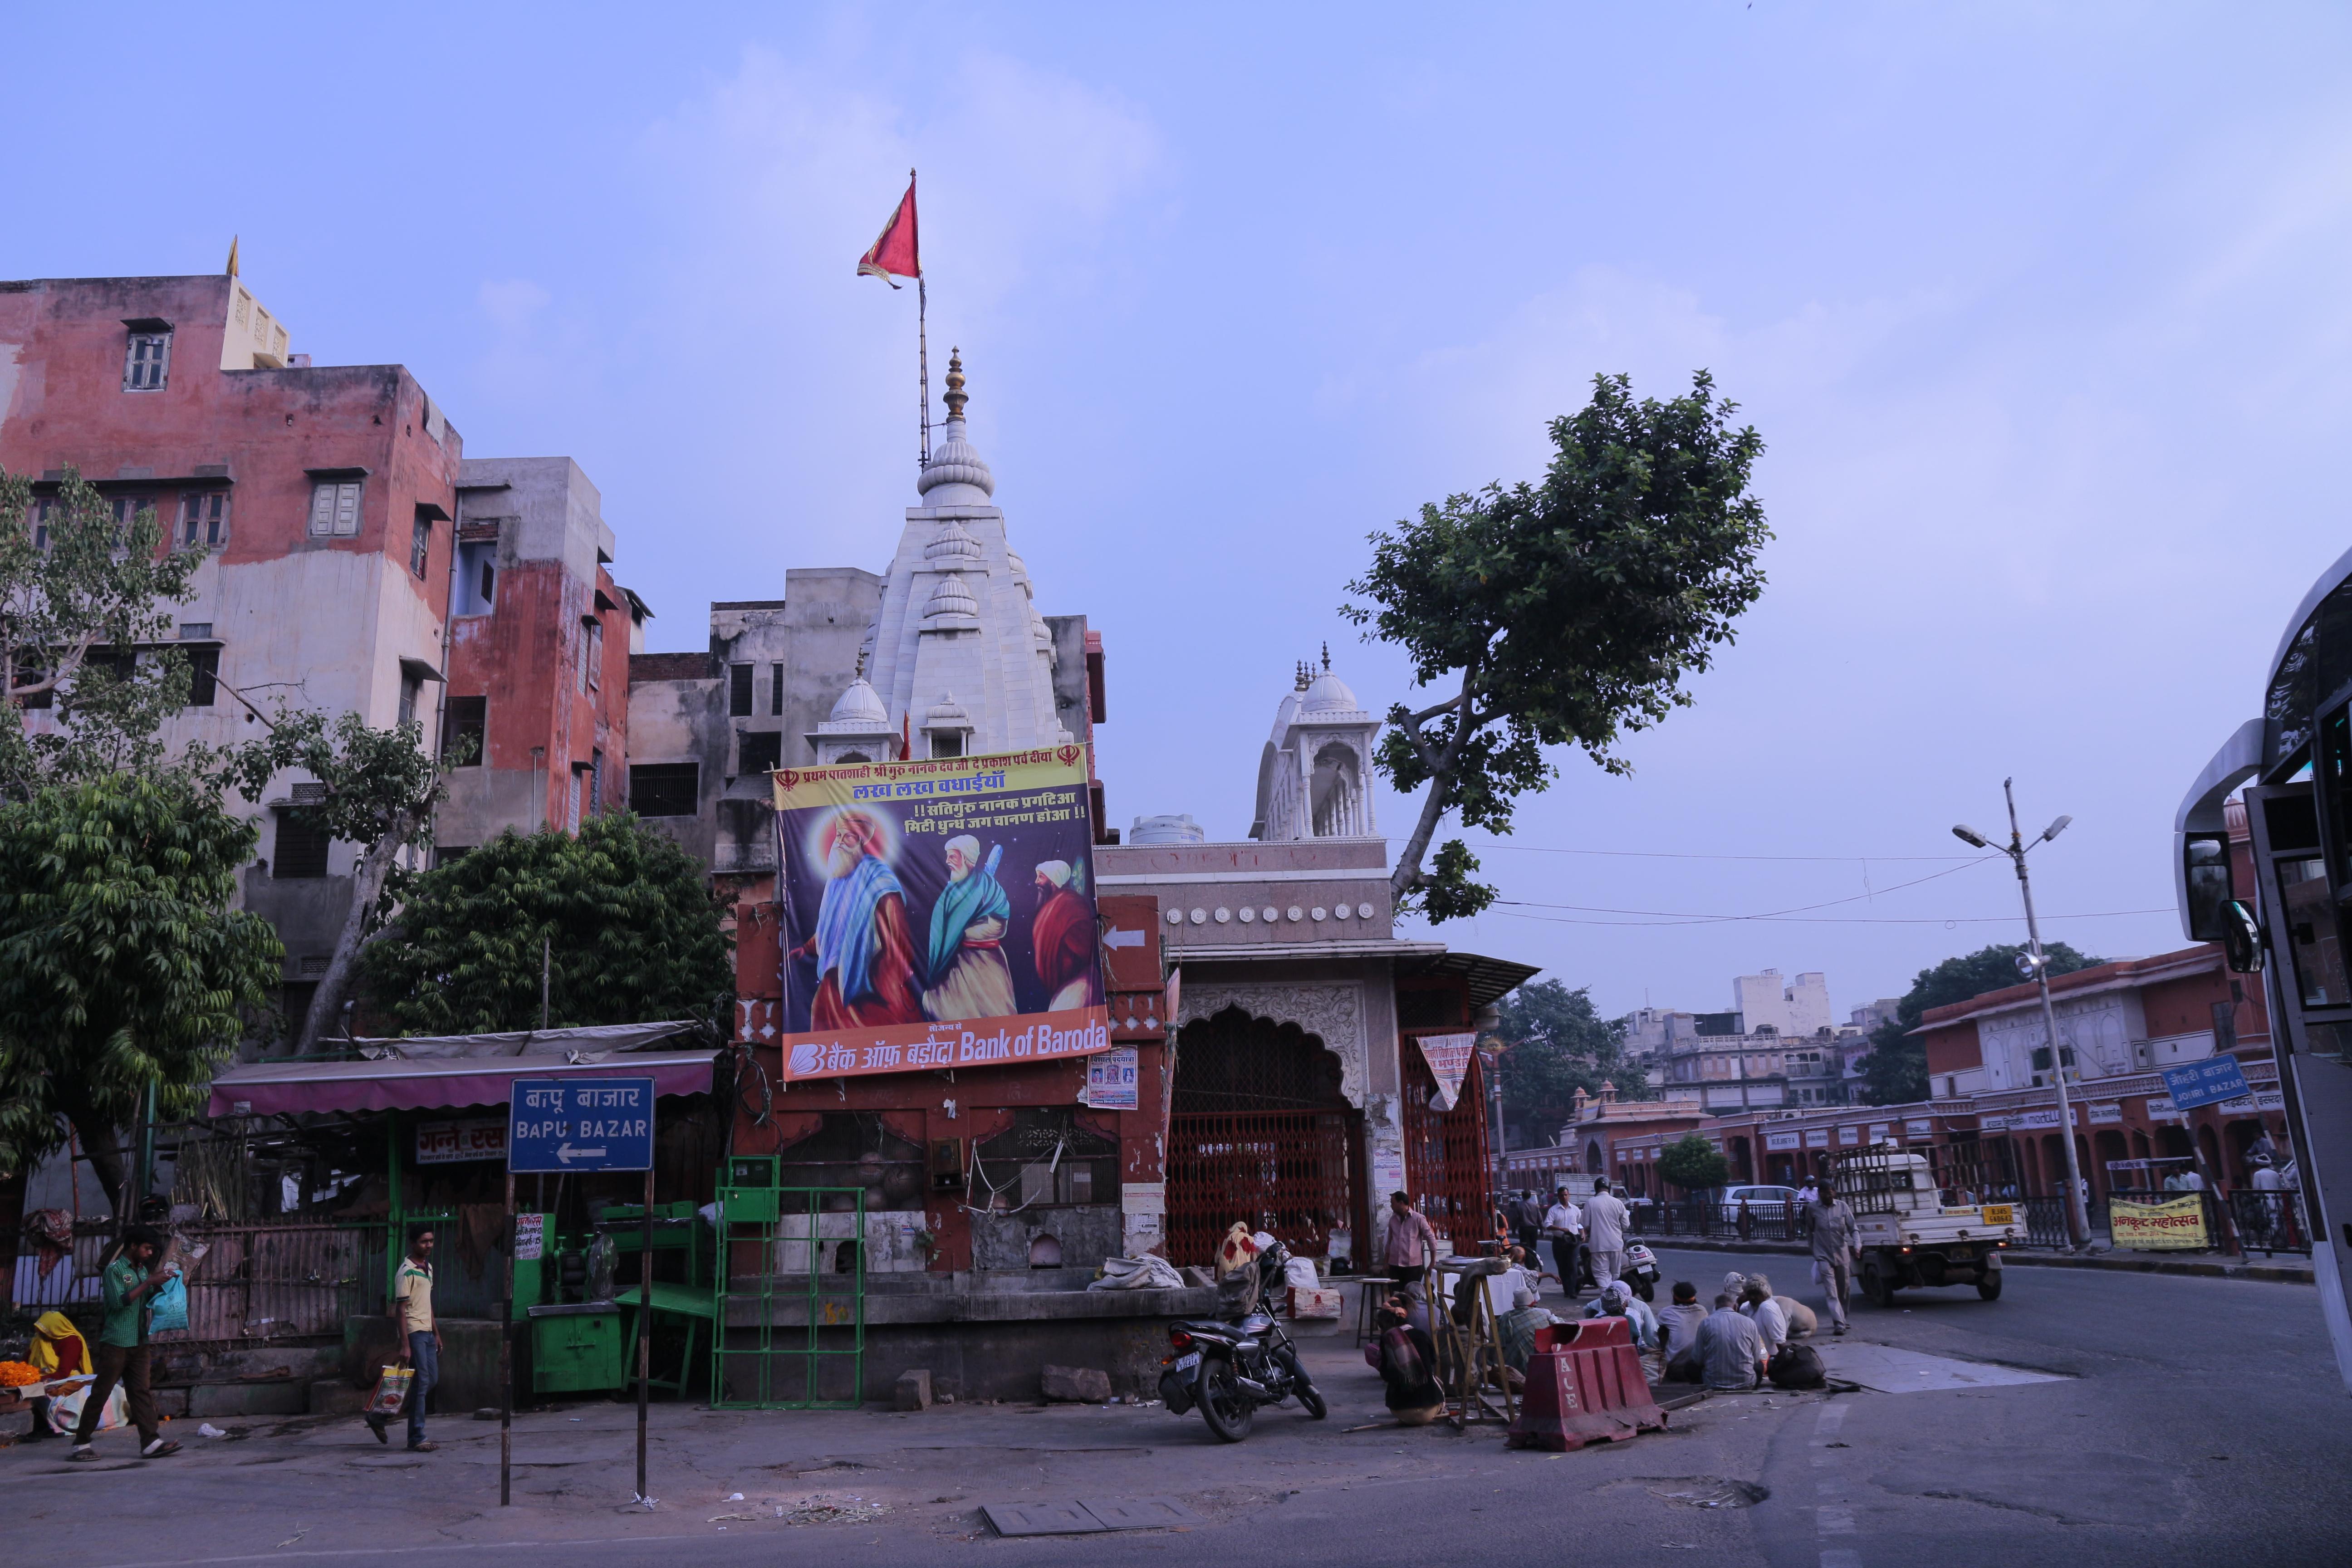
x,y
390,1395
1314,1303
1798,1366
1300,1275
65,1409
171,1311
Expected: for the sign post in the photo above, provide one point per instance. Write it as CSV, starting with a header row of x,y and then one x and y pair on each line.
x,y
564,1125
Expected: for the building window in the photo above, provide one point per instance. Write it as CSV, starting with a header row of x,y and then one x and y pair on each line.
x,y
420,544
596,782
571,808
477,577
775,691
47,509
301,849
466,732
410,687
450,854
762,752
592,653
664,789
203,675
335,509
739,691
947,744
204,520
126,513
147,361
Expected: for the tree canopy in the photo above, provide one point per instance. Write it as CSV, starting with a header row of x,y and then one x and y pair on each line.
x,y
81,592
121,962
1692,1163
1895,1071
1564,613
633,935
1555,1043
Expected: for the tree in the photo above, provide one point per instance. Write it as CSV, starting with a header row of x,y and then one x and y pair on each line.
x,y
632,935
121,962
1566,613
1693,1164
1895,1071
1555,1043
378,790
80,590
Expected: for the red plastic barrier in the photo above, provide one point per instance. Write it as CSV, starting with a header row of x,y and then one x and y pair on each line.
x,y
1584,1385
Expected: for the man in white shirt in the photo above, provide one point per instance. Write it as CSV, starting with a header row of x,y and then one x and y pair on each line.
x,y
1564,1224
1605,1232
1759,1305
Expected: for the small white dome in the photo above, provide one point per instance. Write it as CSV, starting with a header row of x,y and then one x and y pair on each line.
x,y
955,461
953,547
859,704
947,712
1330,694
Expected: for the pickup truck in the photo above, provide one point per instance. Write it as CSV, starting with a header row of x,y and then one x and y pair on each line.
x,y
1921,1223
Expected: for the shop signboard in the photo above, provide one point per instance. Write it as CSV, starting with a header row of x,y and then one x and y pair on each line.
x,y
558,1124
1849,1136
1816,1138
2161,1109
1878,1132
2208,1082
530,1237
938,915
1779,1140
449,1142
2110,1112
2176,1224
1921,1127
2250,1104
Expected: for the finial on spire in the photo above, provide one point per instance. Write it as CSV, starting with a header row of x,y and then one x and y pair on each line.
x,y
1327,657
956,397
1302,675
232,256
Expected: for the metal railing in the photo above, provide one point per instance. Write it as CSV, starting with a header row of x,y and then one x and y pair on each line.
x,y
247,1284
2269,1222
1711,1217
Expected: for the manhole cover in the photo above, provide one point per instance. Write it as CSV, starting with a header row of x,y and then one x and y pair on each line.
x,y
1710,1491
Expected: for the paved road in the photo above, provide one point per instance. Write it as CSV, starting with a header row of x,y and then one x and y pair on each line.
x,y
2191,1421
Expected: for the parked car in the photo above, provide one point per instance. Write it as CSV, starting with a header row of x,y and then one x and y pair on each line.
x,y
1764,1203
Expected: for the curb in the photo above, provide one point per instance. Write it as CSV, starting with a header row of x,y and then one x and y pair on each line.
x,y
2211,1268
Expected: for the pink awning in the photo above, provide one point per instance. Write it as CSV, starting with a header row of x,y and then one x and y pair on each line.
x,y
272,1089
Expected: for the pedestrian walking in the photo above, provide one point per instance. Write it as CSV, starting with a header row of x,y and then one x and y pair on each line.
x,y
1563,1223
1526,1217
1746,1221
1604,1231
128,1287
411,1309
1836,1248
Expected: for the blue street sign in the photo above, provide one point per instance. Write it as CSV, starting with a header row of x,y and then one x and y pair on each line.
x,y
581,1124
2208,1082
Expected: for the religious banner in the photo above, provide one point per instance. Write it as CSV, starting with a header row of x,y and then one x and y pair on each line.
x,y
2175,1224
938,914
1448,1057
1113,1082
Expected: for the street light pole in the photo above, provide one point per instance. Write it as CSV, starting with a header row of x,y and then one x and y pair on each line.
x,y
2078,1218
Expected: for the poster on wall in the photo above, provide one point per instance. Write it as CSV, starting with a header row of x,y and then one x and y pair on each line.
x,y
1448,1057
1113,1082
938,914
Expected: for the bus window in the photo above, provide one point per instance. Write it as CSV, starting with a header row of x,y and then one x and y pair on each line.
x,y
2312,933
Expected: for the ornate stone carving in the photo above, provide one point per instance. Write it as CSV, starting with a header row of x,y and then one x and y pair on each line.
x,y
1332,1014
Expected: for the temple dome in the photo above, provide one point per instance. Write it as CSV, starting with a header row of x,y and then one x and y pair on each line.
x,y
955,461
1326,693
859,705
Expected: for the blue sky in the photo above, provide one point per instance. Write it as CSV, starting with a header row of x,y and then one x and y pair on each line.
x,y
2039,309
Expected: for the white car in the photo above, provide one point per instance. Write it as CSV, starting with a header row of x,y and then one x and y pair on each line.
x,y
1764,1203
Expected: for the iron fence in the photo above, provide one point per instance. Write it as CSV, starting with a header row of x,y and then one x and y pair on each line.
x,y
247,1284
2270,1222
1703,1217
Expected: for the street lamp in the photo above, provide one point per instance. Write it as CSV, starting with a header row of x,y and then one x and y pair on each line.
x,y
2078,1218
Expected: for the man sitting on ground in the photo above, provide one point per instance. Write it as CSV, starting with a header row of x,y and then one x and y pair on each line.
x,y
1731,1352
1516,1329
1617,1301
1678,1324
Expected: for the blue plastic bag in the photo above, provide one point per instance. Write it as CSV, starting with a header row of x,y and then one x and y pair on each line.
x,y
171,1310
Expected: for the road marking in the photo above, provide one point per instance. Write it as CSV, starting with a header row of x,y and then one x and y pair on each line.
x,y
1831,1521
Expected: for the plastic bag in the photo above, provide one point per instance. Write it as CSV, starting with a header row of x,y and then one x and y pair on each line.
x,y
390,1395
171,1311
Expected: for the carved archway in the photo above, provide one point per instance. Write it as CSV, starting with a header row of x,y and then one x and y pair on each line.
x,y
1334,1014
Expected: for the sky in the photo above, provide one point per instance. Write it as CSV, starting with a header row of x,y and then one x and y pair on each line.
x,y
2040,311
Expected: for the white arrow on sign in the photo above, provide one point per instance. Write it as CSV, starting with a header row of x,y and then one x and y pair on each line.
x,y
567,1153
1115,937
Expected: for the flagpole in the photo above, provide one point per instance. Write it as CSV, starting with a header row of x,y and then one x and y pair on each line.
x,y
923,359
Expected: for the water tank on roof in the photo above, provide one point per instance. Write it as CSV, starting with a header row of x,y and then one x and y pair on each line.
x,y
1176,829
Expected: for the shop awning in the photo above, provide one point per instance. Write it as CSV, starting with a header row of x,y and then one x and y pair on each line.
x,y
436,1083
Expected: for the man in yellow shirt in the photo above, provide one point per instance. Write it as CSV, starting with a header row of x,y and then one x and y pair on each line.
x,y
411,1309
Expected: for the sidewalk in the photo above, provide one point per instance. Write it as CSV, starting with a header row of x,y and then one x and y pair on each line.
x,y
2284,1269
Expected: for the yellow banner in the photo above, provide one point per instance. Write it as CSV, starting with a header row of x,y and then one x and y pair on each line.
x,y
2174,1224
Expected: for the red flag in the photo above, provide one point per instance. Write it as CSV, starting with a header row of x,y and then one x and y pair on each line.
x,y
895,251
906,725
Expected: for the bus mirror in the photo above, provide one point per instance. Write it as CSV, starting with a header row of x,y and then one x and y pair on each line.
x,y
2241,938
2205,858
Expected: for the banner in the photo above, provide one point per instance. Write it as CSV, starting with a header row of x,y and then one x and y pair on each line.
x,y
938,914
447,1142
2175,1224
1448,1057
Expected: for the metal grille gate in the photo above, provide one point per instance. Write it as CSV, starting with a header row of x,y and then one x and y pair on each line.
x,y
1259,1133
1446,1160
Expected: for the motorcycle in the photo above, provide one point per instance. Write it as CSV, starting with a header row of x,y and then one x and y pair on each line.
x,y
1641,1271
1229,1367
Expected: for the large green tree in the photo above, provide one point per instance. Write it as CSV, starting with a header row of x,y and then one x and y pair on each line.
x,y
631,932
1564,613
85,632
1693,1164
122,964
1554,1044
1895,1071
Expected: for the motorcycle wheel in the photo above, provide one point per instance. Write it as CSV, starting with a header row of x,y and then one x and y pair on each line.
x,y
1312,1398
1226,1409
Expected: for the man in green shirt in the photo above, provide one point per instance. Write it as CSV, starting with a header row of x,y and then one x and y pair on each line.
x,y
411,1311
122,1357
